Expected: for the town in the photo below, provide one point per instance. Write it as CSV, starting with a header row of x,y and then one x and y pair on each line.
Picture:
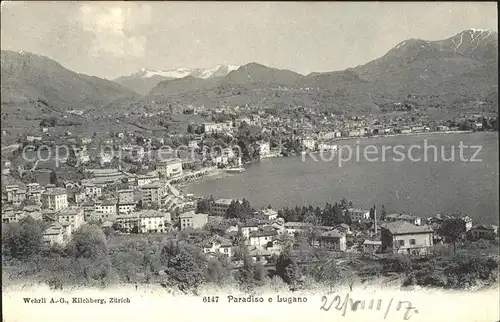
x,y
140,193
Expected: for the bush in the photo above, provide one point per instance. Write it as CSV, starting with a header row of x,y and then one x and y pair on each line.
x,y
277,284
397,264
218,271
441,250
456,272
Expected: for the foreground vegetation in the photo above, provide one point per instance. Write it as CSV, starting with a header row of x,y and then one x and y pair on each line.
x,y
94,258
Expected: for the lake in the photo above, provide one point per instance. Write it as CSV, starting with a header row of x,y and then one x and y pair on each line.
x,y
424,187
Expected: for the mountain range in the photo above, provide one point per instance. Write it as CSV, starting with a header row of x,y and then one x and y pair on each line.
x,y
453,73
145,79
28,77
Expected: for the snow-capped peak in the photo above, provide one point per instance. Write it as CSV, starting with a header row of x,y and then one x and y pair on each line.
x,y
401,44
479,30
204,73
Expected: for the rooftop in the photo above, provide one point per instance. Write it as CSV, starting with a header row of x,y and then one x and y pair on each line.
x,y
55,192
402,216
486,227
332,234
223,242
154,185
263,233
54,229
71,211
223,201
403,227
190,214
358,210
150,213
297,224
147,176
269,212
128,216
108,202
170,161
372,242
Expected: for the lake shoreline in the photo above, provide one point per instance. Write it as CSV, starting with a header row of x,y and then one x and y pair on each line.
x,y
423,188
250,163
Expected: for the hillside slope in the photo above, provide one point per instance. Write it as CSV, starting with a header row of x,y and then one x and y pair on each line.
x,y
28,77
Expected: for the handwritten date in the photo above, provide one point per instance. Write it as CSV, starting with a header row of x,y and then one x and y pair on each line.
x,y
348,304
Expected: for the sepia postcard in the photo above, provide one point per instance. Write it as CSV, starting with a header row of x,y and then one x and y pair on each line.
x,y
249,161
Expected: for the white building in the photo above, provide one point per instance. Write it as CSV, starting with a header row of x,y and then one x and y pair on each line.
x,y
170,168
146,179
153,221
261,237
106,207
248,228
92,190
264,148
56,199
292,227
309,143
72,215
269,214
218,245
191,220
358,215
327,147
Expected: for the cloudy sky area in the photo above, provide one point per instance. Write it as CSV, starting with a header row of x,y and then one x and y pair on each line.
x,y
111,39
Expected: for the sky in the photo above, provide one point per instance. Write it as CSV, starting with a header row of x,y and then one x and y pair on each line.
x,y
111,39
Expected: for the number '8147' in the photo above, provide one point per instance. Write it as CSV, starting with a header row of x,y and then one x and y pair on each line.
x,y
210,299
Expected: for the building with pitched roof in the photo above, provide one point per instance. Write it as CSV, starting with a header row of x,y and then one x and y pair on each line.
x,y
56,199
57,233
72,215
403,237
191,220
218,245
261,237
333,240
154,221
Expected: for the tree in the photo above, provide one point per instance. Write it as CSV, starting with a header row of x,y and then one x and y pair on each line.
x,y
218,271
241,209
139,140
453,229
383,213
372,212
53,178
287,268
329,273
240,238
71,161
204,206
24,239
246,274
88,241
127,264
183,266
